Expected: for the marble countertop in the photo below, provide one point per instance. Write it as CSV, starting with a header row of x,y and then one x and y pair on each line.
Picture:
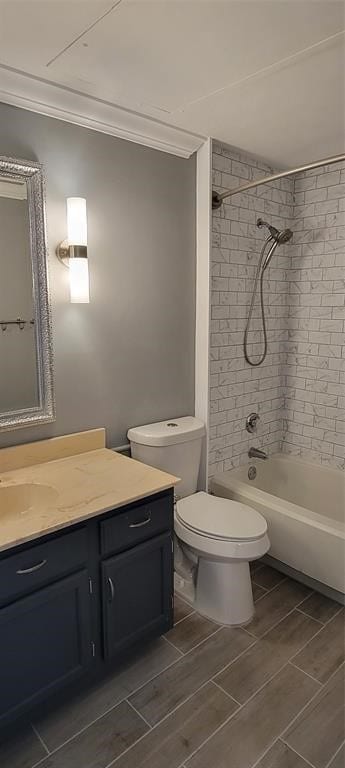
x,y
84,486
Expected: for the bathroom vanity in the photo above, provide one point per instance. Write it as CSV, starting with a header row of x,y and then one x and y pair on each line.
x,y
89,585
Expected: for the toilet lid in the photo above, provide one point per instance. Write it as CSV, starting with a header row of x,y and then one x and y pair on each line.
x,y
220,518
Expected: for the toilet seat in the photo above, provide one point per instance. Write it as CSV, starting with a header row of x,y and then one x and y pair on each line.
x,y
220,519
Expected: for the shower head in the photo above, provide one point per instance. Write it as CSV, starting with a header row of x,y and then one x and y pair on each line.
x,y
280,236
284,236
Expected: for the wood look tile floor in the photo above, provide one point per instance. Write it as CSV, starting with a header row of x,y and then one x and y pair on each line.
x,y
268,695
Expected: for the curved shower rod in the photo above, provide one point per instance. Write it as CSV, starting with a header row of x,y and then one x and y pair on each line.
x,y
218,197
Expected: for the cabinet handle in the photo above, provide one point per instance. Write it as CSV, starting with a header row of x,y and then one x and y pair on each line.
x,y
142,522
37,567
112,589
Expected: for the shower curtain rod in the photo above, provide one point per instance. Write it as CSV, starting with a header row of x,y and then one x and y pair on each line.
x,y
218,197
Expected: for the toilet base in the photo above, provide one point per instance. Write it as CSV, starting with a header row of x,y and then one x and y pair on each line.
x,y
224,591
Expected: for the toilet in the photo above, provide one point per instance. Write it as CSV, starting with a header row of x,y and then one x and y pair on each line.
x,y
215,538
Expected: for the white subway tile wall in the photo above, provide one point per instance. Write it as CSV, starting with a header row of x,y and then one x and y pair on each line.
x,y
299,390
314,423
236,389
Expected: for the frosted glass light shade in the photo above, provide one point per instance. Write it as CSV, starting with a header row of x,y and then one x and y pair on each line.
x,y
76,221
79,280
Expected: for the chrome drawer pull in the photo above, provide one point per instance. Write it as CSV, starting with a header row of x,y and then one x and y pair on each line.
x,y
112,589
143,522
31,570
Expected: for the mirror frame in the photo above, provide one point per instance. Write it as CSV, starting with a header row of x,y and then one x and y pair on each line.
x,y
44,412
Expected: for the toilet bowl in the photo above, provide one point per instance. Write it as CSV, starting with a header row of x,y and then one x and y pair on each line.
x,y
215,537
221,536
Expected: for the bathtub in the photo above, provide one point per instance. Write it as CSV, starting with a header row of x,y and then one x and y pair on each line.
x,y
304,505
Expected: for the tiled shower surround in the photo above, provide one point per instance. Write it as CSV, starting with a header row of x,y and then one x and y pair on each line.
x,y
299,390
315,371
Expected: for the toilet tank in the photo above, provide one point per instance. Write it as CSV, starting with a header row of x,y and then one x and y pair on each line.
x,y
173,446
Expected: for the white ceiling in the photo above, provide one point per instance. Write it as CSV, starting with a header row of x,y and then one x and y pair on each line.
x,y
267,76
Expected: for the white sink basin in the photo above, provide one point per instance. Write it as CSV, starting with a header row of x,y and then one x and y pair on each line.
x,y
22,497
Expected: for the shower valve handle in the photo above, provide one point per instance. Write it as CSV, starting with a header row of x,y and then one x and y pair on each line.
x,y
252,422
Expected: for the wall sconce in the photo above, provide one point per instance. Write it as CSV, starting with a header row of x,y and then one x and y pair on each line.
x,y
73,251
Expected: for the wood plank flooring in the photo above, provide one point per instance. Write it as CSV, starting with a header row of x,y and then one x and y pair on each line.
x,y
268,695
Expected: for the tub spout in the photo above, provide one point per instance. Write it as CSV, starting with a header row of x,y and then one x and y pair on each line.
x,y
255,453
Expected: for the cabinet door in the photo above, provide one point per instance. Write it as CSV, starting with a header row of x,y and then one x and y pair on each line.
x,y
137,593
44,643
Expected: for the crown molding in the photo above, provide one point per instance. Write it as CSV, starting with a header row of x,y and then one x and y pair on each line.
x,y
36,94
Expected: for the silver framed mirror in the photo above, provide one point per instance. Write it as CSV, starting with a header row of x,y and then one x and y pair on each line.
x,y
26,355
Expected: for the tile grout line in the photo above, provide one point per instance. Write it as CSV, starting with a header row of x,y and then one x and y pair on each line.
x,y
207,682
330,599
184,653
304,672
297,753
269,589
174,647
139,715
324,623
107,711
255,640
335,754
321,688
305,645
40,761
341,608
259,637
250,634
236,711
289,660
311,617
265,591
203,744
153,727
40,739
272,743
295,608
226,692
257,600
197,644
184,618
269,680
309,641
239,709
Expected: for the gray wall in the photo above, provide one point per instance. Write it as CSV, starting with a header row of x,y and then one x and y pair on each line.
x,y
128,357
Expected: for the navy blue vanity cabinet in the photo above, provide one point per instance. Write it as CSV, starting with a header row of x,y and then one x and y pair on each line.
x,y
45,619
137,594
44,643
73,602
137,581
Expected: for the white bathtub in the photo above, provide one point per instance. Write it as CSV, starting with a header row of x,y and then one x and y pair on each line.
x,y
304,505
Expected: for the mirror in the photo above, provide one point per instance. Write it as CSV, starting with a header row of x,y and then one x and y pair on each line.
x,y
26,382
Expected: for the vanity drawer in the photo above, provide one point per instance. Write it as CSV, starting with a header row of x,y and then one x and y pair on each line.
x,y
137,524
39,564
